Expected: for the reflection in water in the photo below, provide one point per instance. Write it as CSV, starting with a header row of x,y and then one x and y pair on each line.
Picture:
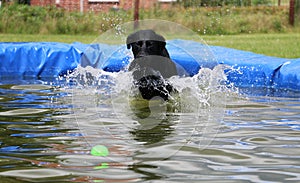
x,y
153,135
155,118
28,128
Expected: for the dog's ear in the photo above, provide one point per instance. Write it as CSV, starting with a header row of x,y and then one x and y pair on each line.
x,y
130,39
164,51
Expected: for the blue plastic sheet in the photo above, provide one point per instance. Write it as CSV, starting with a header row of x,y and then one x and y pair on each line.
x,y
255,70
48,60
38,60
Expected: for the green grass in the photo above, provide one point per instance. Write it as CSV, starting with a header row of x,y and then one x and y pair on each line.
x,y
286,45
47,38
225,20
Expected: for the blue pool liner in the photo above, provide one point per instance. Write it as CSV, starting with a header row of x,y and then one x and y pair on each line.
x,y
41,60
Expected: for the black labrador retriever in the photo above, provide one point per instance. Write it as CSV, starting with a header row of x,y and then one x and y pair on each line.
x,y
151,65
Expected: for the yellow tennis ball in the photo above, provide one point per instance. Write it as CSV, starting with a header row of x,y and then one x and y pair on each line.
x,y
99,150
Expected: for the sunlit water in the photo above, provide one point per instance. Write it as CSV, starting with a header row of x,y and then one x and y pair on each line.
x,y
217,135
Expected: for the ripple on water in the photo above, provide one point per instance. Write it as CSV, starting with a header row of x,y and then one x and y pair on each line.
x,y
20,112
257,140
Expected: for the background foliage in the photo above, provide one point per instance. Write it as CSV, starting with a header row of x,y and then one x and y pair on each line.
x,y
219,20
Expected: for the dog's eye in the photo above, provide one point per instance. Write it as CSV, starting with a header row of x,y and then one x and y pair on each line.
x,y
149,44
140,43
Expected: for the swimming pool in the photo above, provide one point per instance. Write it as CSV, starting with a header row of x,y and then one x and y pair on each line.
x,y
241,125
48,130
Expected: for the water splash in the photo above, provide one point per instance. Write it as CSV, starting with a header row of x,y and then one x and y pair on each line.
x,y
105,101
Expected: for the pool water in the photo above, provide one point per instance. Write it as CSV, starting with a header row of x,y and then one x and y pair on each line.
x,y
47,132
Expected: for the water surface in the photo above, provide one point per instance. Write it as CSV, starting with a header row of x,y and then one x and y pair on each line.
x,y
47,133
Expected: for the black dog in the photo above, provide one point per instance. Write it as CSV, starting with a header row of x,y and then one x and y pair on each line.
x,y
151,65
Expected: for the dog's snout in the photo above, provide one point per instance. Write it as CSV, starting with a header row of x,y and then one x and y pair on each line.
x,y
142,54
144,50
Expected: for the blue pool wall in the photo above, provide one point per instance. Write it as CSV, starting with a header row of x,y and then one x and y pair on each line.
x,y
41,60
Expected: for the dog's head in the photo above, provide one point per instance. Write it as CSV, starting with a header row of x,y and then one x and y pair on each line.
x,y
147,42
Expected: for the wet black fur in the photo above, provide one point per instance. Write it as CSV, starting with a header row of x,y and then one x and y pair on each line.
x,y
151,65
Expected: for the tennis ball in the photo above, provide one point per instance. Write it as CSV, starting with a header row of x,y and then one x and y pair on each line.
x,y
99,150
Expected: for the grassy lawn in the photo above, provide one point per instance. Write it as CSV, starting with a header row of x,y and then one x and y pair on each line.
x,y
47,38
285,45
